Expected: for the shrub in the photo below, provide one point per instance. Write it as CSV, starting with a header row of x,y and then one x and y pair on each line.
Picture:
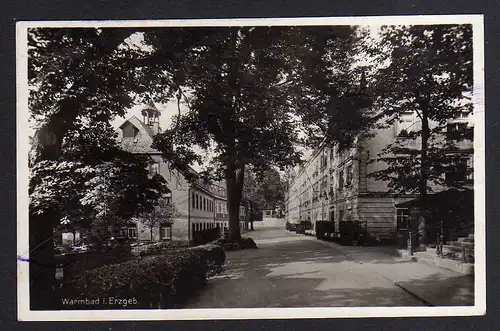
x,y
290,226
162,281
215,257
152,249
232,245
75,263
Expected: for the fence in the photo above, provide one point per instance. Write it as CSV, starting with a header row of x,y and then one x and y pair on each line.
x,y
201,237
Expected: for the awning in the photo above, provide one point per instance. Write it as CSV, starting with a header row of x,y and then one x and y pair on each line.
x,y
444,199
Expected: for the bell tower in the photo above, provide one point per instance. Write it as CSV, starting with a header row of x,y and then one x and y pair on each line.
x,y
151,117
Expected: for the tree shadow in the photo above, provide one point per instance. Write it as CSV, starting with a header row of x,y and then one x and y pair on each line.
x,y
298,274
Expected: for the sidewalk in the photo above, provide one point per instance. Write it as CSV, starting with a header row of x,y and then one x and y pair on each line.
x,y
289,270
431,284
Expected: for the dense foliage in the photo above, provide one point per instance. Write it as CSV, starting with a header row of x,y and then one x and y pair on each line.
x,y
94,181
215,257
160,281
291,226
80,79
253,95
430,74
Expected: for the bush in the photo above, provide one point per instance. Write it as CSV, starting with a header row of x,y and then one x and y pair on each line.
x,y
215,257
153,248
76,262
233,245
162,281
290,226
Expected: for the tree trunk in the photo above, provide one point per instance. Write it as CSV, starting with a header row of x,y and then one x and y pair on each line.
x,y
234,185
42,266
234,169
422,188
251,216
47,146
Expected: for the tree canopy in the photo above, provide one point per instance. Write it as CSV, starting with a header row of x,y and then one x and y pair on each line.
x,y
93,180
430,74
254,94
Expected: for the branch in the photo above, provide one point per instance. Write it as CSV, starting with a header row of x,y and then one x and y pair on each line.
x,y
419,115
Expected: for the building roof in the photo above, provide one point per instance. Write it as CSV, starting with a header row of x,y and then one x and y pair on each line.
x,y
139,125
151,108
142,144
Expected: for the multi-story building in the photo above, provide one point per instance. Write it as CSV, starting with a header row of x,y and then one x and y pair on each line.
x,y
198,205
334,186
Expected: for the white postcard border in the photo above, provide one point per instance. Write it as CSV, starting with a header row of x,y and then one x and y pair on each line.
x,y
479,308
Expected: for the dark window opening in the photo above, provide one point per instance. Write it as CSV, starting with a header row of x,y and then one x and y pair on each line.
x,y
130,131
402,217
341,179
349,175
457,172
457,131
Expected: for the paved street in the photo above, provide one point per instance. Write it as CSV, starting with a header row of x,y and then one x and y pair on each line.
x,y
290,270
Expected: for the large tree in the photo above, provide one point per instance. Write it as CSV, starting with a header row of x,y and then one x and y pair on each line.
x,y
75,75
253,94
92,186
428,72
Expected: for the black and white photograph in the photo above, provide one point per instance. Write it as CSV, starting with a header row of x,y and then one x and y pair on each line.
x,y
251,168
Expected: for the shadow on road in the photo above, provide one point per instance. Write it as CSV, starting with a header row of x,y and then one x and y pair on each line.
x,y
290,270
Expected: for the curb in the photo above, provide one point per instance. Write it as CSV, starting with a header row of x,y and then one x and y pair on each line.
x,y
414,292
456,266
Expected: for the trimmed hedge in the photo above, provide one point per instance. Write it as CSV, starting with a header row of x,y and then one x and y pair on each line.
x,y
76,262
290,226
233,245
162,281
215,257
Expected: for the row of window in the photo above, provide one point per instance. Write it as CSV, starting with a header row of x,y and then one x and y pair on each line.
x,y
320,188
203,226
201,203
221,208
131,232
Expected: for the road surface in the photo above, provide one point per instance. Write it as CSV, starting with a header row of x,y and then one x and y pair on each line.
x,y
290,270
